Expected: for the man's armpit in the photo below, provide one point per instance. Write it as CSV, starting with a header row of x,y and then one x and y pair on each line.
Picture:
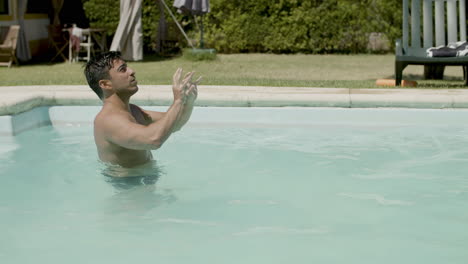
x,y
138,113
155,116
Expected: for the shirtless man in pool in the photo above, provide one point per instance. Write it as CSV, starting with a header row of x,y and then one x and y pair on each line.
x,y
124,133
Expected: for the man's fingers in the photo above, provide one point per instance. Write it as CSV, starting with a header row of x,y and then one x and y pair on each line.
x,y
187,79
177,74
188,76
192,87
193,90
186,83
198,80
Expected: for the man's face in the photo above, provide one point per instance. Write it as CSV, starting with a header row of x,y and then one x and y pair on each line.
x,y
123,78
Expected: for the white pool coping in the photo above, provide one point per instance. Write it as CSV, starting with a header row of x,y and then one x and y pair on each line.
x,y
17,99
24,107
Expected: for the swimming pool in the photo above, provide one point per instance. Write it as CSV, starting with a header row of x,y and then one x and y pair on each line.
x,y
243,185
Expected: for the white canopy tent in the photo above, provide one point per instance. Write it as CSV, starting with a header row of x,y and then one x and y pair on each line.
x,y
23,52
128,37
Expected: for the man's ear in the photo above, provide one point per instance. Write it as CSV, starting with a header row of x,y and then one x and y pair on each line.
x,y
105,84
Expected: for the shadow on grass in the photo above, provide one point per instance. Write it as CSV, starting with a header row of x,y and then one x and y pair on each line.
x,y
441,84
449,82
416,77
45,59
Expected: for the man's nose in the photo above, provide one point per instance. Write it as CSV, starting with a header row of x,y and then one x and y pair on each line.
x,y
132,72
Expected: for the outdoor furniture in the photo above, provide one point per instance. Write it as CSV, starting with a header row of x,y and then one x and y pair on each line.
x,y
412,49
88,41
8,47
58,40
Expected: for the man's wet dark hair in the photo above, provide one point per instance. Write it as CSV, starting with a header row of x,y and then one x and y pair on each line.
x,y
98,69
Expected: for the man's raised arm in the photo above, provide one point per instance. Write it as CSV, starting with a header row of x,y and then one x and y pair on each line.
x,y
123,132
190,96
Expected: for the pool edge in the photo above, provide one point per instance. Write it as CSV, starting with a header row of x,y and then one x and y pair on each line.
x,y
17,100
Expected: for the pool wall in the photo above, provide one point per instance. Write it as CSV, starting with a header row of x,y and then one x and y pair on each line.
x,y
63,116
26,107
14,124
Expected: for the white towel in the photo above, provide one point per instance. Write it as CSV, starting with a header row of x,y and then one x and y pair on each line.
x,y
78,32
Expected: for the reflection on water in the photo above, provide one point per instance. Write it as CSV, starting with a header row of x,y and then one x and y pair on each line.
x,y
126,183
136,189
137,201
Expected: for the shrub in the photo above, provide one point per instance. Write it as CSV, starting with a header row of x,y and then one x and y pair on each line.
x,y
103,14
309,26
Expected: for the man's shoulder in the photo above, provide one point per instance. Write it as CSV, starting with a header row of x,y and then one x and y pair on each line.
x,y
108,117
103,115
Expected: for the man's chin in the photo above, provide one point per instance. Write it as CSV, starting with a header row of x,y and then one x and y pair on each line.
x,y
134,89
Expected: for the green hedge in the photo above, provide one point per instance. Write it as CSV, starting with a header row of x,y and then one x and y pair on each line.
x,y
308,26
278,26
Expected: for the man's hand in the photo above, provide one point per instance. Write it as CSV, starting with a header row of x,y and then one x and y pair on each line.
x,y
184,89
180,86
192,91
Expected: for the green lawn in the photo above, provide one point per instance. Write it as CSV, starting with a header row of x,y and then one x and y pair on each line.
x,y
349,71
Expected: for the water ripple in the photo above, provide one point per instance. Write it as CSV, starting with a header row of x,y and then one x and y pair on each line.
x,y
282,230
253,202
376,197
187,221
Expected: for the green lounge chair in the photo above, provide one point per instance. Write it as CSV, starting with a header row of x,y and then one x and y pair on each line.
x,y
444,21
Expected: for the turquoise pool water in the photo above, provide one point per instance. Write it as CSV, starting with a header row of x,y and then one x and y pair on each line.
x,y
245,185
